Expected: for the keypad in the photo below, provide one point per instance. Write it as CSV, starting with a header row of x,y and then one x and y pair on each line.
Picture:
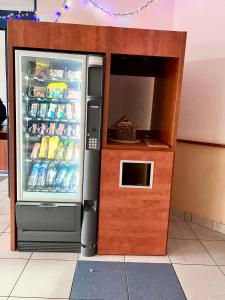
x,y
93,143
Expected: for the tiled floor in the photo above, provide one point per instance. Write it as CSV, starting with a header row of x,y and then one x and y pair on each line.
x,y
196,253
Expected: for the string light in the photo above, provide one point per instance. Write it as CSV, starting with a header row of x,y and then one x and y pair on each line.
x,y
119,14
65,6
18,15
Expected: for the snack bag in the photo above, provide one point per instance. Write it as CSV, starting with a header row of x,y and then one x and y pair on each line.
x,y
53,145
33,129
56,90
69,151
60,151
68,131
42,129
73,75
35,150
52,111
60,129
33,110
51,129
77,111
60,112
41,68
70,94
43,110
44,148
56,74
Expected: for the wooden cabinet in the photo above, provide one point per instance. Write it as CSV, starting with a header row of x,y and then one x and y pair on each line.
x,y
131,220
134,220
145,42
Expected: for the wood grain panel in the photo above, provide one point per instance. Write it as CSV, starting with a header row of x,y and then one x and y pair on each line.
x,y
134,221
3,155
66,37
145,42
166,100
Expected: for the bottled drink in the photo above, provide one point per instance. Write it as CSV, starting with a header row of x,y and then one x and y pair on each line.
x,y
51,174
60,176
42,175
67,180
32,180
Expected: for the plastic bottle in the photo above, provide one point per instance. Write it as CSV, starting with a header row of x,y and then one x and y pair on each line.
x,y
67,180
74,184
32,180
60,176
51,174
42,175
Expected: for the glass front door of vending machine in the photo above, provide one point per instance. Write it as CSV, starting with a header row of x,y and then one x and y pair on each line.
x,y
50,119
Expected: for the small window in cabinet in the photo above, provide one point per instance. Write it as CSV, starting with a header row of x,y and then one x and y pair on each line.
x,y
136,174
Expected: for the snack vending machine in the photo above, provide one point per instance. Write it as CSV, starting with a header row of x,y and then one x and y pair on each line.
x,y
58,138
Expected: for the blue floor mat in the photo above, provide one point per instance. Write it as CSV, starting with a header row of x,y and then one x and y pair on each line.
x,y
99,281
125,281
153,282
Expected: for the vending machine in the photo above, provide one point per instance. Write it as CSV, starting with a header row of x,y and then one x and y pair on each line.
x,y
58,137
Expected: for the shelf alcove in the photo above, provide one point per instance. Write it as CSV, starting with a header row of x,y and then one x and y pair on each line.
x,y
144,88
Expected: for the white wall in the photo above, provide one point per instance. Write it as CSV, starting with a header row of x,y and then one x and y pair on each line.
x,y
132,96
17,5
159,15
203,94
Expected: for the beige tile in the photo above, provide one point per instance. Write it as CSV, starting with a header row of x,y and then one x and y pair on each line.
x,y
55,255
4,186
180,230
178,213
3,195
115,258
223,269
21,298
202,221
188,252
174,218
217,250
4,222
188,216
5,251
5,206
201,282
147,259
204,233
7,229
10,270
3,298
219,227
46,279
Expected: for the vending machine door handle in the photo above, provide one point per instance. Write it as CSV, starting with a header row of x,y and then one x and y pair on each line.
x,y
48,205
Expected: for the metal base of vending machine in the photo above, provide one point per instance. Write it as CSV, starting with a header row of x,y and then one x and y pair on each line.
x,y
48,226
48,247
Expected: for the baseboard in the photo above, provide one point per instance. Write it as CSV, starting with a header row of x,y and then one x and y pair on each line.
x,y
190,217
